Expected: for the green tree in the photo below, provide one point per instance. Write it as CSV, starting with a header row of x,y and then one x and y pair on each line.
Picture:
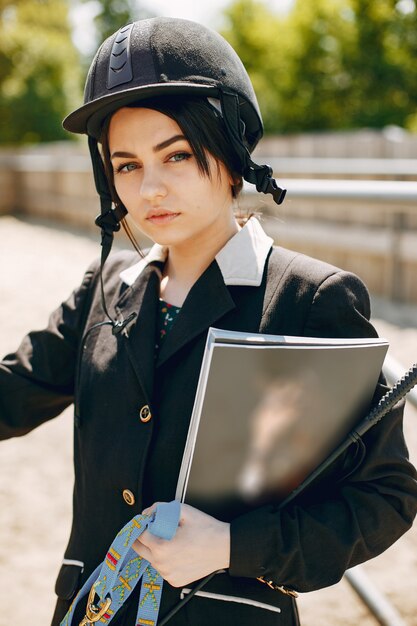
x,y
39,71
315,91
402,40
295,61
371,73
261,40
330,64
379,94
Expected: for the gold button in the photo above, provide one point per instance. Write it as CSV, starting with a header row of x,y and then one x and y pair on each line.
x,y
145,413
128,497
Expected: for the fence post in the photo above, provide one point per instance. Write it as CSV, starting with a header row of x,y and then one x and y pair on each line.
x,y
398,224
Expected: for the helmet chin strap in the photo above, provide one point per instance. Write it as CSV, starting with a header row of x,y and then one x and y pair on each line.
x,y
259,175
109,223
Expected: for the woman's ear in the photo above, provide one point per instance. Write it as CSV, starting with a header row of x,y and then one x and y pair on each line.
x,y
236,183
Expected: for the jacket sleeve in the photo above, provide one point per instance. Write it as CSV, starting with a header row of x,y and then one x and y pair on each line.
x,y
341,520
37,381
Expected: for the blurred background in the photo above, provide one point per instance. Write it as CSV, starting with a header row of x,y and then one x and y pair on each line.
x,y
337,85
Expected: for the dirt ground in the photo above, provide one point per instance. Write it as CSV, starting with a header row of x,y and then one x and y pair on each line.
x,y
40,264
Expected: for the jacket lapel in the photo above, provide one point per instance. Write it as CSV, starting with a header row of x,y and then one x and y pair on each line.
x,y
239,263
208,300
139,336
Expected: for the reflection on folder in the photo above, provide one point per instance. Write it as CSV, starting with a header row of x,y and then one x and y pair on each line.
x,y
268,410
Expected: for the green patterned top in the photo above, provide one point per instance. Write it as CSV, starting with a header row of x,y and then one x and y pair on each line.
x,y
166,317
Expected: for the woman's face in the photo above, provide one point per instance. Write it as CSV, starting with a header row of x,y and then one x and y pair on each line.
x,y
156,177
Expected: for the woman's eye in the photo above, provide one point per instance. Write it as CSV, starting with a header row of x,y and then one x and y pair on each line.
x,y
180,156
125,167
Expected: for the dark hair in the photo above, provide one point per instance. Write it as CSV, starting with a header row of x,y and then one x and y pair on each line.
x,y
202,126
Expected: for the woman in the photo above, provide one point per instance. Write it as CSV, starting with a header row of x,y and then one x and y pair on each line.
x,y
175,113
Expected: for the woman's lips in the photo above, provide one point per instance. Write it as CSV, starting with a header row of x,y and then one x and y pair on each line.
x,y
161,217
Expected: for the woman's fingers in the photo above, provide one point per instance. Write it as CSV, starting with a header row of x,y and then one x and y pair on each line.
x,y
142,550
149,509
200,546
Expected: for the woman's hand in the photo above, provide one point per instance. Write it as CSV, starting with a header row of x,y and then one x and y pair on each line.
x,y
200,546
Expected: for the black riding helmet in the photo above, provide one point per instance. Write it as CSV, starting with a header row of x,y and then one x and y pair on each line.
x,y
168,56
161,56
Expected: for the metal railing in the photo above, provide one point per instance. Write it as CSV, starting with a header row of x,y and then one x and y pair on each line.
x,y
385,191
323,166
391,237
319,214
396,193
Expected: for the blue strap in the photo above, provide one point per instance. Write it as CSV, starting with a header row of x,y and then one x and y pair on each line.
x,y
114,580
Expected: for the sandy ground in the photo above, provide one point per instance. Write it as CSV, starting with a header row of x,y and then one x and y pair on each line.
x,y
40,265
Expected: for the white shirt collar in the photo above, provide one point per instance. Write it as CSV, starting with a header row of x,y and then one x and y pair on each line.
x,y
241,260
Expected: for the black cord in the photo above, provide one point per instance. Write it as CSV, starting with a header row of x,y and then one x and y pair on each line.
x,y
186,599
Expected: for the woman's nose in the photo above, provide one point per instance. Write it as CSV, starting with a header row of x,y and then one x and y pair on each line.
x,y
152,185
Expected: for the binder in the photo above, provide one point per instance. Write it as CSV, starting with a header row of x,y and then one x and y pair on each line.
x,y
268,409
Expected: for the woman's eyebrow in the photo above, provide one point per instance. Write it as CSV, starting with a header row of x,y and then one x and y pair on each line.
x,y
157,148
168,142
128,155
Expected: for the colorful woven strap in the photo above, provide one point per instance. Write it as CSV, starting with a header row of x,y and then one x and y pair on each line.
x,y
114,580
